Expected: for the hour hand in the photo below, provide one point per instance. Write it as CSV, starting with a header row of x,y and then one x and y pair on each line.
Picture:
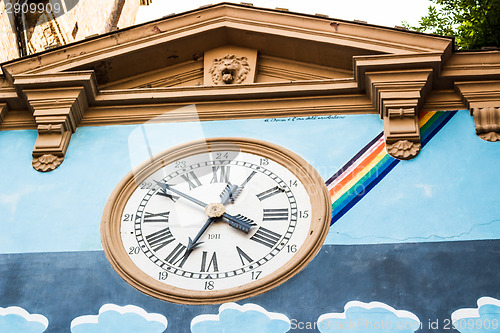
x,y
239,222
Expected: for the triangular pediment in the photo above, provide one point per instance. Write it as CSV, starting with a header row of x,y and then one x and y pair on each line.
x,y
233,61
290,47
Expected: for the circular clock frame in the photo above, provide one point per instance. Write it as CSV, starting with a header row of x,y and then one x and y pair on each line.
x,y
305,173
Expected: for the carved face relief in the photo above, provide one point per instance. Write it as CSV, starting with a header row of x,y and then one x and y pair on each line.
x,y
229,69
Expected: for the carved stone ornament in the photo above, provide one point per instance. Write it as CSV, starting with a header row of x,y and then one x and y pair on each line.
x,y
487,122
403,149
229,69
47,162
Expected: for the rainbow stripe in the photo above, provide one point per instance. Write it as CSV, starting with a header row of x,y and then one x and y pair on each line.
x,y
372,163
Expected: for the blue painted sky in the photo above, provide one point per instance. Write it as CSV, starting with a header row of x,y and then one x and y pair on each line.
x,y
447,193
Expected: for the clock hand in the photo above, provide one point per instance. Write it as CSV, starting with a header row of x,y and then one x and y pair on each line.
x,y
166,187
230,193
239,222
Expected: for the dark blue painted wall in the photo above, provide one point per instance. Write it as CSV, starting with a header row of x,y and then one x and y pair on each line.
x,y
429,279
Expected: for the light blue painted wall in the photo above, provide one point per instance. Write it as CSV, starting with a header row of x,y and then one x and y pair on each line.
x,y
450,190
61,210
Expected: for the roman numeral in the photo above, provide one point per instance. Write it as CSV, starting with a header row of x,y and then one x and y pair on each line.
x,y
266,237
269,193
156,217
195,179
275,214
243,256
220,174
159,239
213,262
178,254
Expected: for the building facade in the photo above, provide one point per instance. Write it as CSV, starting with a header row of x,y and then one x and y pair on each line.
x,y
368,199
27,30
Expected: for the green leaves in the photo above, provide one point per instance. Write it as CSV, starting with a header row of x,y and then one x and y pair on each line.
x,y
474,23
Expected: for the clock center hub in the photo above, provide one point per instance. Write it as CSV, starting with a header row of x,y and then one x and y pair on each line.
x,y
215,210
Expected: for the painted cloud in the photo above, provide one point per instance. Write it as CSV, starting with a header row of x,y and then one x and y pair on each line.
x,y
374,317
16,319
248,318
124,319
485,318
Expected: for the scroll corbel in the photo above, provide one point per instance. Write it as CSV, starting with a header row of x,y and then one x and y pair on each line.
x,y
402,133
487,122
482,98
57,114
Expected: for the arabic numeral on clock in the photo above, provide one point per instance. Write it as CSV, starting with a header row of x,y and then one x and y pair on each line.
x,y
128,217
146,185
180,164
293,183
256,274
291,248
219,156
264,161
134,250
209,285
162,276
303,214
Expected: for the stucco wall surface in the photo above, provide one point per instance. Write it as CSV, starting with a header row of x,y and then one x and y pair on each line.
x,y
418,249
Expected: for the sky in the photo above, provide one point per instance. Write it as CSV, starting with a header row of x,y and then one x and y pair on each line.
x,y
387,13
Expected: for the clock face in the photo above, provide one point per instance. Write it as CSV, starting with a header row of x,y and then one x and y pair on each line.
x,y
203,224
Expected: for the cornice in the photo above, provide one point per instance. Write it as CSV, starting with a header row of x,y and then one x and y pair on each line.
x,y
230,109
58,91
254,91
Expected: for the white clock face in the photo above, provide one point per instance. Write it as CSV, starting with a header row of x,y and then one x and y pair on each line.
x,y
215,221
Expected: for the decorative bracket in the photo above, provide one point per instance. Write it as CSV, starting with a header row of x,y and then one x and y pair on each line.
x,y
483,101
3,112
398,96
58,102
57,114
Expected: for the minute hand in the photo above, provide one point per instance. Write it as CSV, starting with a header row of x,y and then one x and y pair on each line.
x,y
184,195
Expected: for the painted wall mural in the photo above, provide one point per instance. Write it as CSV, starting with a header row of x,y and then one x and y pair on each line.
x,y
414,244
248,318
114,318
484,318
17,319
368,318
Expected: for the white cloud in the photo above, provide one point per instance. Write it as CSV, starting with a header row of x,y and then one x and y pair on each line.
x,y
484,318
248,318
16,319
374,317
123,319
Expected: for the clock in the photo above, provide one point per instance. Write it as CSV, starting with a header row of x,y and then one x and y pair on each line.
x,y
215,220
